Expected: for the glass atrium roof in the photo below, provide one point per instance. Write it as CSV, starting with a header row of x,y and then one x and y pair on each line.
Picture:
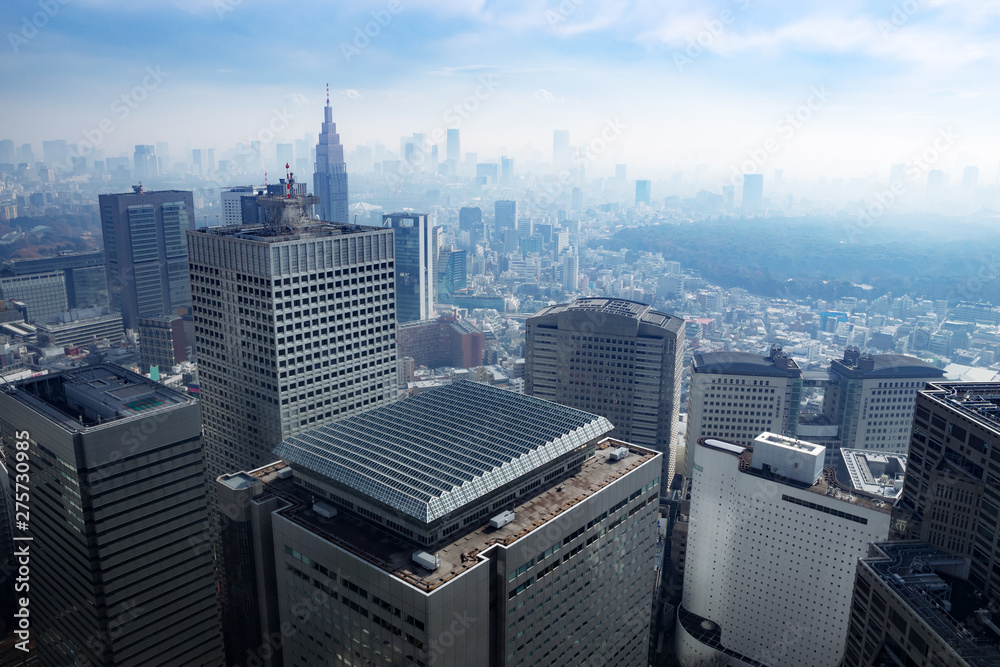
x,y
431,454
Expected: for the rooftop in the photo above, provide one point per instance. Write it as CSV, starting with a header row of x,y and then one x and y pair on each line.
x,y
742,363
933,585
91,396
827,485
625,308
428,455
884,366
874,472
979,401
278,234
393,554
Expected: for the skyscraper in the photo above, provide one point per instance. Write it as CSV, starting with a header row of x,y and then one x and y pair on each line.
x,y
469,217
145,163
619,359
83,272
330,177
643,192
117,495
753,192
504,215
468,525
506,170
295,326
147,267
771,544
415,272
453,147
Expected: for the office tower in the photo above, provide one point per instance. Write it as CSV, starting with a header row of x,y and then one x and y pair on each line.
x,y
163,156
284,153
452,276
571,272
146,250
7,153
504,215
871,399
643,190
330,177
199,162
233,206
525,226
506,170
913,605
560,150
44,294
469,217
55,153
771,546
753,192
294,326
144,162
118,494
453,147
414,265
487,171
576,199
161,342
468,525
616,358
739,395
446,341
26,154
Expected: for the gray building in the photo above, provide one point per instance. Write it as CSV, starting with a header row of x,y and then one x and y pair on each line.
x,y
504,215
466,526
44,294
162,342
416,278
643,192
294,327
84,272
117,496
616,358
330,176
147,268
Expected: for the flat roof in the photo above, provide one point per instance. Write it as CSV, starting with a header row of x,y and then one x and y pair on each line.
x,y
626,308
891,366
428,455
865,468
979,401
741,363
393,554
280,233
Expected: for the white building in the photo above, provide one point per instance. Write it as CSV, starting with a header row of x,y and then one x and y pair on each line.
x,y
771,553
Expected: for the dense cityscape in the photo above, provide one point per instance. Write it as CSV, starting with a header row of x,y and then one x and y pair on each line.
x,y
309,397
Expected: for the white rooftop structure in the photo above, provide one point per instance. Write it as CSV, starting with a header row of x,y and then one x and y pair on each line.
x,y
796,460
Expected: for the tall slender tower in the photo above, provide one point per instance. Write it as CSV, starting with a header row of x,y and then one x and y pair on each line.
x,y
330,177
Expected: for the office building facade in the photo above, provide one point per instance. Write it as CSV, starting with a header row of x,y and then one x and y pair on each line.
x,y
434,532
84,274
294,327
504,215
616,358
44,294
146,250
416,249
162,342
117,493
771,549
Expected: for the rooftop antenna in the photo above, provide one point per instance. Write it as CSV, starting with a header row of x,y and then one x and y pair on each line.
x,y
265,180
288,184
327,94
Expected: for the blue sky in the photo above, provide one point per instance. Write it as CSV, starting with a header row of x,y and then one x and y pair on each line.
x,y
689,82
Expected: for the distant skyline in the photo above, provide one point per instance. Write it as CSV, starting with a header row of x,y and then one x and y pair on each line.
x,y
693,83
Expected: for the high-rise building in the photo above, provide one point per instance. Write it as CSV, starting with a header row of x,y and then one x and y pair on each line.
x,y
560,150
145,163
146,250
643,192
294,326
504,215
913,605
451,273
468,525
619,359
161,342
469,217
571,272
771,547
7,153
872,397
446,341
330,177
233,204
453,147
415,252
753,192
506,170
118,495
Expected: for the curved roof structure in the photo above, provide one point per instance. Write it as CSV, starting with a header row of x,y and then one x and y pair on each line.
x,y
431,454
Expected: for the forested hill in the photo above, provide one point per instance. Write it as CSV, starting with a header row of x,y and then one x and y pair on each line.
x,y
936,258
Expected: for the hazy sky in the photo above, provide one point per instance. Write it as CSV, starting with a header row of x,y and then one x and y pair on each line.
x,y
667,83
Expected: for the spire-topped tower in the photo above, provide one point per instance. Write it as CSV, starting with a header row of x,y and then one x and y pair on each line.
x,y
330,177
